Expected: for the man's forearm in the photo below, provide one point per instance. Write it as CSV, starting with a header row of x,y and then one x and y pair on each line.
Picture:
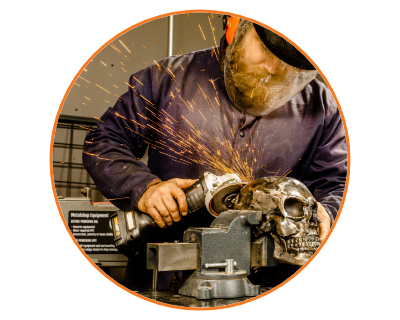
x,y
111,159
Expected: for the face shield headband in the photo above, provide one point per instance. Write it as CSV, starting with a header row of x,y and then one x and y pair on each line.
x,y
257,81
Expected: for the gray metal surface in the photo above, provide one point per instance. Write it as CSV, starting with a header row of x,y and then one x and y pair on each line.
x,y
229,265
228,238
172,256
262,250
219,285
226,245
190,302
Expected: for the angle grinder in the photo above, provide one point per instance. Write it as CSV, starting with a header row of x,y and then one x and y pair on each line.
x,y
217,193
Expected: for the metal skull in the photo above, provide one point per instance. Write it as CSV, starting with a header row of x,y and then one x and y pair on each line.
x,y
289,214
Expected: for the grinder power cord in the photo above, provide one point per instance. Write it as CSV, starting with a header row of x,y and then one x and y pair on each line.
x,y
131,228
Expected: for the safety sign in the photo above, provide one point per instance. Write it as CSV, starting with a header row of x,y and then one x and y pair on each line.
x,y
92,230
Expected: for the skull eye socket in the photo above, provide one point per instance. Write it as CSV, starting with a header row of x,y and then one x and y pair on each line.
x,y
294,207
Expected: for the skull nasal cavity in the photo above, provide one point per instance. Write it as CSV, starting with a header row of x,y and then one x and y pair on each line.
x,y
294,207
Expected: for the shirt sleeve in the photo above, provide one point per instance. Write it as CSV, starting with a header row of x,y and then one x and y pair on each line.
x,y
111,152
326,175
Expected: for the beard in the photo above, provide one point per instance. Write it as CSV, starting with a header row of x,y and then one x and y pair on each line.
x,y
260,91
254,90
252,87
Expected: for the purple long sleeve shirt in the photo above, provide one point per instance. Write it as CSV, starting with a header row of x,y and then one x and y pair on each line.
x,y
180,109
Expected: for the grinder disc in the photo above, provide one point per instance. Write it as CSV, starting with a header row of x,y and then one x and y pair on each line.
x,y
223,197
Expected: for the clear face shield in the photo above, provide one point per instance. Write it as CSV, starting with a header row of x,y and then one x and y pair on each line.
x,y
257,81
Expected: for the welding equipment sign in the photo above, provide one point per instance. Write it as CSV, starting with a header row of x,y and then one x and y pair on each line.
x,y
92,230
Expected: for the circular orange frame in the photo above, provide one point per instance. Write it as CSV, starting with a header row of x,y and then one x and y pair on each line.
x,y
55,194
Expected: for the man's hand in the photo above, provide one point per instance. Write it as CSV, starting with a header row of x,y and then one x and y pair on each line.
x,y
165,202
325,224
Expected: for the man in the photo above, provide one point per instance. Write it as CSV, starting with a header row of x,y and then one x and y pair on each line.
x,y
251,107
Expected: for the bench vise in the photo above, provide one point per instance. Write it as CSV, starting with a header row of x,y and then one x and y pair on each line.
x,y
215,260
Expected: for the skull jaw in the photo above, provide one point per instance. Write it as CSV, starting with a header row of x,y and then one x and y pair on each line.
x,y
287,258
295,256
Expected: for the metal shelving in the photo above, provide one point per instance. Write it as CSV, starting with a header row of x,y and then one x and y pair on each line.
x,y
71,124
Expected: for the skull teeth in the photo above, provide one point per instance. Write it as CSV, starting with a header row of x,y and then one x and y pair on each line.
x,y
304,243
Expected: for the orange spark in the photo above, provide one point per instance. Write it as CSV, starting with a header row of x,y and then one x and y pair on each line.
x,y
187,105
212,29
102,88
86,128
83,79
95,155
115,47
124,46
171,73
212,82
157,65
137,80
152,104
130,85
286,172
202,33
202,116
130,120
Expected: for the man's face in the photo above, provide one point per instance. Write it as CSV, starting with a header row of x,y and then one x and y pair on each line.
x,y
256,80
